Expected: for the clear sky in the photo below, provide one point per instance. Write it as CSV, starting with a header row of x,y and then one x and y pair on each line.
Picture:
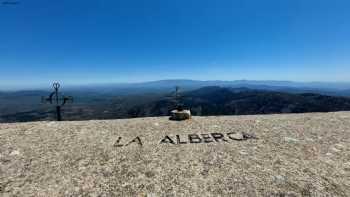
x,y
83,41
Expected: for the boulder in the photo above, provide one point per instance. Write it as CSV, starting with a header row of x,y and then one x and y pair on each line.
x,y
180,115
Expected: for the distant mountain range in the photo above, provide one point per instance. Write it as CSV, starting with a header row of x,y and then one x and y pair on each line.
x,y
326,88
241,101
331,88
152,99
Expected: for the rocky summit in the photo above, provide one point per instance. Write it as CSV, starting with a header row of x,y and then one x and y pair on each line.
x,y
265,155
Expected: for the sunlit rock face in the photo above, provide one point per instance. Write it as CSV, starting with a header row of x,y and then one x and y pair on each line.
x,y
179,115
269,155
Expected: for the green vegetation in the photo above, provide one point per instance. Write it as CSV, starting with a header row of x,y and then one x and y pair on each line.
x,y
25,105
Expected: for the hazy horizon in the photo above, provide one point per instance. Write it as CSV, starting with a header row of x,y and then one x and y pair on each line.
x,y
48,85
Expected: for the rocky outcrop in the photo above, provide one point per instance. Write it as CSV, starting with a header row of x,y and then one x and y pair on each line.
x,y
180,115
268,155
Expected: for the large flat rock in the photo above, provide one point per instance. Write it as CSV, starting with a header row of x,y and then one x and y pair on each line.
x,y
294,155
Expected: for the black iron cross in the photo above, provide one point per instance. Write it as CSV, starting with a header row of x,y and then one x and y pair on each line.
x,y
57,99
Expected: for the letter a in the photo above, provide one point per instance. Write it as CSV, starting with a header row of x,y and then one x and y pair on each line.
x,y
167,139
137,140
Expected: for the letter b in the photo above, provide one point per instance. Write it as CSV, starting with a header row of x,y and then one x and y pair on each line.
x,y
194,138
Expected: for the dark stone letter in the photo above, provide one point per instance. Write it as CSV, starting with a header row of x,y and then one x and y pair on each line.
x,y
238,138
117,143
167,139
179,141
218,136
137,140
207,138
194,138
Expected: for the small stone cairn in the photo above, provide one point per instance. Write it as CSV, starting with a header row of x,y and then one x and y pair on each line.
x,y
180,114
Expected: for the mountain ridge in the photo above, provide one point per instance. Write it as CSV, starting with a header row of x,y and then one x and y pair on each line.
x,y
189,82
210,100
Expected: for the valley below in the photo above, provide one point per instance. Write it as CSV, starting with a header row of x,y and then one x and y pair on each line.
x,y
25,106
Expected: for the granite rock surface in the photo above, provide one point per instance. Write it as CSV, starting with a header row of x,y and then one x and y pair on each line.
x,y
265,155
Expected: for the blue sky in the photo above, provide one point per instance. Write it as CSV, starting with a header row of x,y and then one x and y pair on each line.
x,y
102,41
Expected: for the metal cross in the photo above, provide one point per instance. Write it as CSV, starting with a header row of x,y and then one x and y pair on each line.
x,y
56,99
177,99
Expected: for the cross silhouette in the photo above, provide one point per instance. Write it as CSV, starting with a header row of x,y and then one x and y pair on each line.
x,y
56,98
176,97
